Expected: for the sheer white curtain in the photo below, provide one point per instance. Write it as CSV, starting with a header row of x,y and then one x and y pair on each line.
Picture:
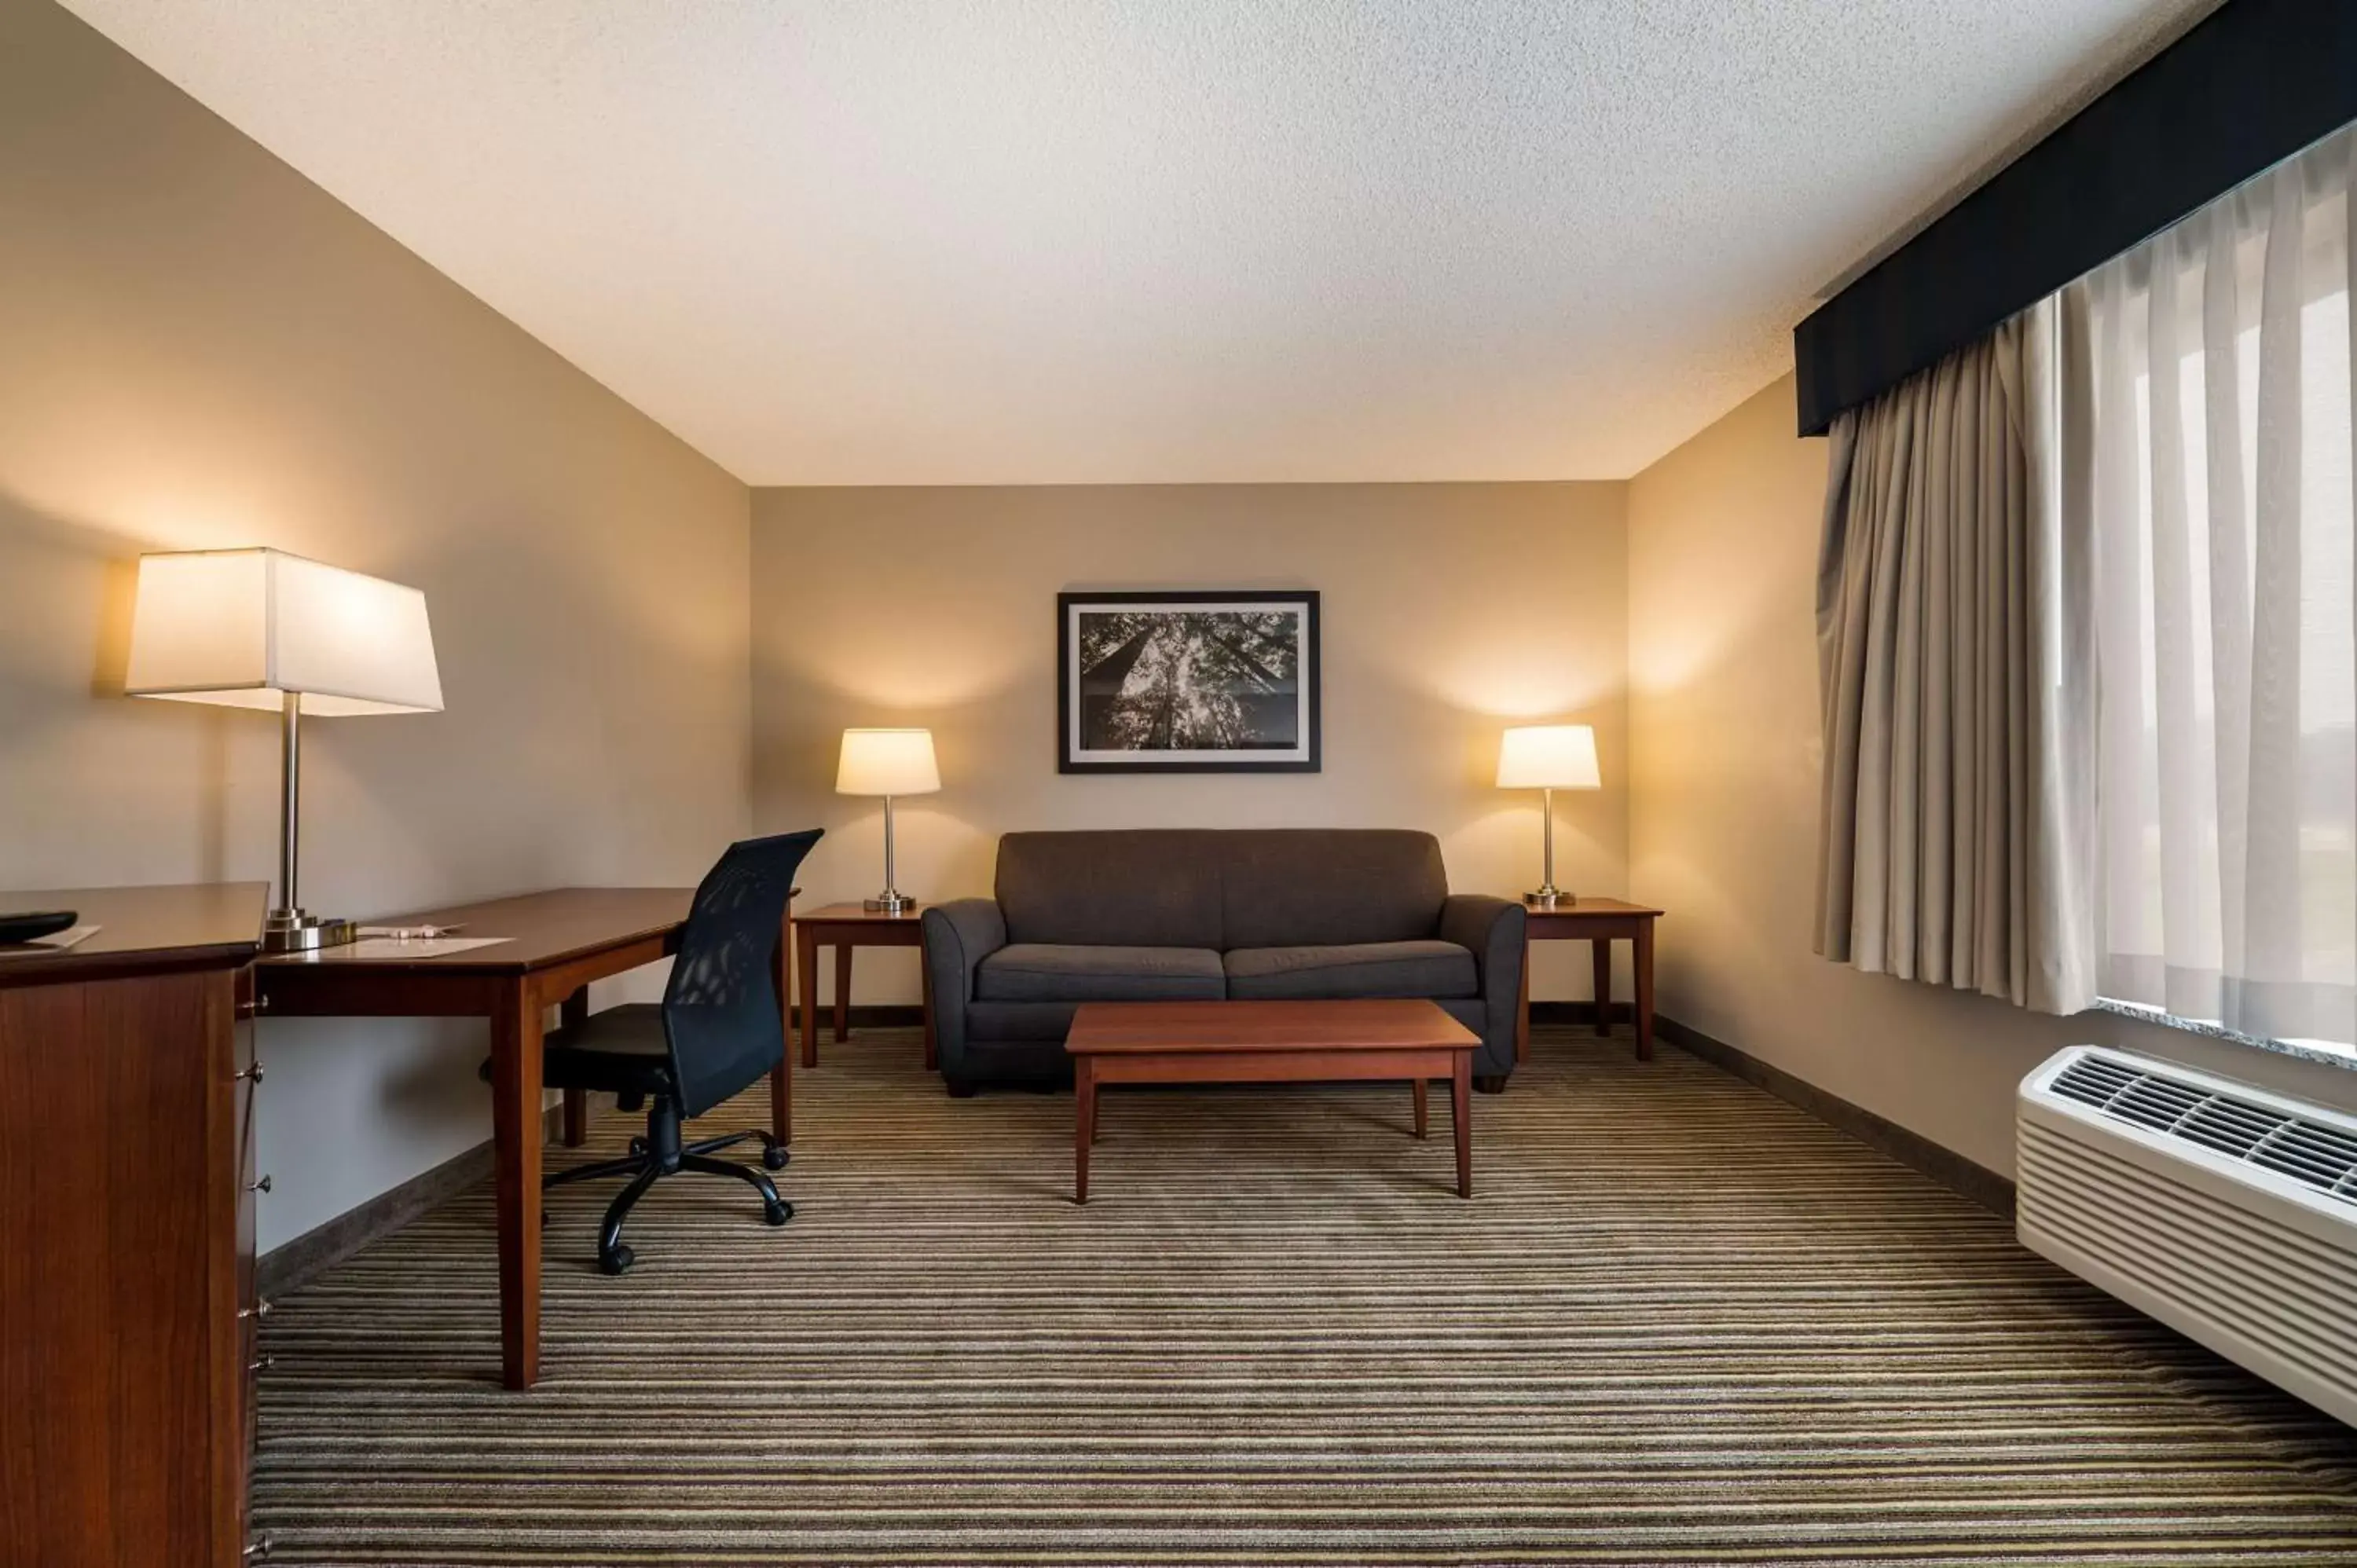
x,y
2217,358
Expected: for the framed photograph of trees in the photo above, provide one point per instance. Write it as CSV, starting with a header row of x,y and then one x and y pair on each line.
x,y
1186,683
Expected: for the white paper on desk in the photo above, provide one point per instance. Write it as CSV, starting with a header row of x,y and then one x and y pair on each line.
x,y
56,942
417,947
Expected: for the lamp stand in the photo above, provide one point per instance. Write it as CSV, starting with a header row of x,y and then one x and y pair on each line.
x,y
287,929
892,901
1547,896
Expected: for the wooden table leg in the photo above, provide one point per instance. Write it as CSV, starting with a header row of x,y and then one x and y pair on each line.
x,y
571,1015
1642,955
1523,1009
516,1119
1460,1111
806,992
1599,953
843,952
1084,1123
1418,1085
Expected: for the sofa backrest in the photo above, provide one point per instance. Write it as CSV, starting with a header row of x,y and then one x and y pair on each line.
x,y
1222,888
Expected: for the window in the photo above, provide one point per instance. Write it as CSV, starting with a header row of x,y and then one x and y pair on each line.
x,y
2216,359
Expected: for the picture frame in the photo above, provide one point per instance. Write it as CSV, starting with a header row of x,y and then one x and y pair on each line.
x,y
1188,681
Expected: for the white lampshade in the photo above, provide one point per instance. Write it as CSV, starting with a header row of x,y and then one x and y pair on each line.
x,y
1549,757
237,627
886,762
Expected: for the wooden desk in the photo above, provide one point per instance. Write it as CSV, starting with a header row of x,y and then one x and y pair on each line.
x,y
558,942
845,926
1599,922
127,1198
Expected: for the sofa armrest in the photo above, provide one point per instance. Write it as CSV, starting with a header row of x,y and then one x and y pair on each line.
x,y
958,935
1492,928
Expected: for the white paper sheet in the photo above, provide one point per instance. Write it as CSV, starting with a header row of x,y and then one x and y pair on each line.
x,y
418,946
56,942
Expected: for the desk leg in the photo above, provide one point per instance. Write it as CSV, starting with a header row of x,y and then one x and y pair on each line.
x,y
1084,1123
1523,1009
1460,1113
1599,953
806,989
843,952
516,1128
571,1016
1644,956
1418,1085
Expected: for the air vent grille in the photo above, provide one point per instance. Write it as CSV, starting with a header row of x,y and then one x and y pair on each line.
x,y
2307,1152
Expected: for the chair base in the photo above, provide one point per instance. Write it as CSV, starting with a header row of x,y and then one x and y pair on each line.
x,y
659,1153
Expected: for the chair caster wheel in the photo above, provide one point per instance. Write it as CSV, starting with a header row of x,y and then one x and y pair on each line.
x,y
615,1261
778,1213
775,1157
638,1145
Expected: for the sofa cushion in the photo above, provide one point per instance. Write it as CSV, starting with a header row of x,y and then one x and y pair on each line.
x,y
1061,972
1360,969
1146,887
1282,887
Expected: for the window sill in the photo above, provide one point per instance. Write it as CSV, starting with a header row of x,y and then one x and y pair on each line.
x,y
2323,1051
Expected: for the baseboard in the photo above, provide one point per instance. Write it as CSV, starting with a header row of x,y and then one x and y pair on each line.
x,y
898,1015
1950,1169
1578,1013
291,1263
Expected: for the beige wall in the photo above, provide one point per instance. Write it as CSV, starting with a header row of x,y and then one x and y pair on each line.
x,y
1449,612
1723,718
202,348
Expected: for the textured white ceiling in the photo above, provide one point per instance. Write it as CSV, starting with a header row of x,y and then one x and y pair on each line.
x,y
886,242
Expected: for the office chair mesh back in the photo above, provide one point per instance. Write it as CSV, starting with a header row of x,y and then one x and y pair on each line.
x,y
720,1010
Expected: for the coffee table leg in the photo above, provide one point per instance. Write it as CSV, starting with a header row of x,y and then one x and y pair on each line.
x,y
1417,1084
1460,1111
1084,1124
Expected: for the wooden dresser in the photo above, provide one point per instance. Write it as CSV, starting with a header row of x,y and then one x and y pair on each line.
x,y
126,1231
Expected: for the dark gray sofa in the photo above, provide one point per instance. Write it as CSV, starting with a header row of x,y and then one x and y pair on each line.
x,y
1158,915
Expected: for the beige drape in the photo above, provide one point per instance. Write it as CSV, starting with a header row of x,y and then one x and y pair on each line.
x,y
1952,647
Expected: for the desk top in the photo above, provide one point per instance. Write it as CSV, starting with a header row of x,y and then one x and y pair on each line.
x,y
544,929
208,924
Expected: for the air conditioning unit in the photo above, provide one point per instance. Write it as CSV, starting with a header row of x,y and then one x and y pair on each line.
x,y
2227,1212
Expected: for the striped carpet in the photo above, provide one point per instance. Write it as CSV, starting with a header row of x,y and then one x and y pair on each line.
x,y
1681,1323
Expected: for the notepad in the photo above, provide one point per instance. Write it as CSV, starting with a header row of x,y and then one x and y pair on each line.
x,y
418,946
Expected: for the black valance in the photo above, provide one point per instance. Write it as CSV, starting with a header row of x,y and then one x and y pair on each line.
x,y
2250,85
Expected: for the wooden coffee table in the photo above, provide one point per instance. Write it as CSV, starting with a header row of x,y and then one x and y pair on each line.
x,y
1269,1042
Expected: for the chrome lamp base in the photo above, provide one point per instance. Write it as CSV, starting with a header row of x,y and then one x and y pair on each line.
x,y
1549,897
292,931
888,903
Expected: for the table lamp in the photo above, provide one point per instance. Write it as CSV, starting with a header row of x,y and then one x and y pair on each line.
x,y
1548,757
888,762
260,629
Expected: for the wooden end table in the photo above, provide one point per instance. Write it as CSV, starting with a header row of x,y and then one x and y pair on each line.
x,y
1598,922
845,926
1269,1042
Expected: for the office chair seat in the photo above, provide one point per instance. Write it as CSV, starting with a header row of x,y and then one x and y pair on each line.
x,y
620,1051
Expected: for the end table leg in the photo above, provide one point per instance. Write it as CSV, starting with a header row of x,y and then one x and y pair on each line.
x,y
843,952
1523,1009
1643,957
1418,1085
1599,951
1460,1111
806,990
1085,1125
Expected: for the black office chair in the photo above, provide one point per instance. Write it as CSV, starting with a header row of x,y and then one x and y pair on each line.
x,y
717,1033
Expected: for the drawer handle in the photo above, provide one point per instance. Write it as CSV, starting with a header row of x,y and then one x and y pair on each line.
x,y
262,1363
262,1185
263,1308
251,1074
